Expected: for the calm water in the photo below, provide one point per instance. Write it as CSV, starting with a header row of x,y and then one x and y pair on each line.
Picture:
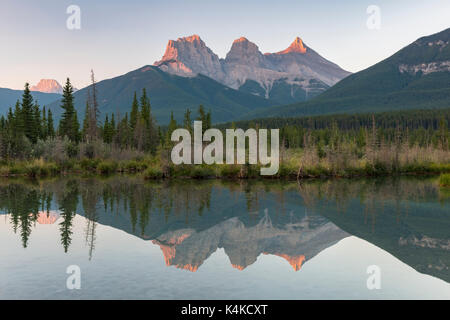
x,y
224,240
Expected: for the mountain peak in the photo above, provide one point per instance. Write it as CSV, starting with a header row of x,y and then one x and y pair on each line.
x,y
48,86
296,46
189,56
241,39
193,38
244,52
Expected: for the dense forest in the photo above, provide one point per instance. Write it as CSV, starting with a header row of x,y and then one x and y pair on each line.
x,y
421,127
31,142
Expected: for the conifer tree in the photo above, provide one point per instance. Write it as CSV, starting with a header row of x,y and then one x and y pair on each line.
x,y
27,114
43,124
187,120
50,126
37,128
171,128
145,108
68,125
134,112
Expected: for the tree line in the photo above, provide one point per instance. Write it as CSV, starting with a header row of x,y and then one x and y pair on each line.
x,y
27,124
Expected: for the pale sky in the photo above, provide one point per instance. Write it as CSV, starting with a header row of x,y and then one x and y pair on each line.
x,y
119,36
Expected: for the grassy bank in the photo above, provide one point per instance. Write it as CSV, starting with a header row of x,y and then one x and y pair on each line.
x,y
294,164
444,180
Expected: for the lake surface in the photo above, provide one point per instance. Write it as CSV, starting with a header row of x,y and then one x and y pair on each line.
x,y
133,239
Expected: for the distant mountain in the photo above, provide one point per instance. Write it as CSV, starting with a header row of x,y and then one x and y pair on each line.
x,y
416,77
295,74
48,86
8,98
168,93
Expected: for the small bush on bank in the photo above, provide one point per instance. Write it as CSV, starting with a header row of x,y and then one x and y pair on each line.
x,y
444,180
153,173
107,167
202,172
230,171
89,164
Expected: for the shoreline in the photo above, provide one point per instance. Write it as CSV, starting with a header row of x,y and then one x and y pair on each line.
x,y
151,173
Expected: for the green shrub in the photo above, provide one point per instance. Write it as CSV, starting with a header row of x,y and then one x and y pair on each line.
x,y
153,173
66,165
202,172
231,171
132,166
444,180
4,171
72,150
107,167
89,164
17,168
32,170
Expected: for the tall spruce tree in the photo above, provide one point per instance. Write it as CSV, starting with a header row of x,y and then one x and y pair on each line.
x,y
134,114
27,114
50,125
68,125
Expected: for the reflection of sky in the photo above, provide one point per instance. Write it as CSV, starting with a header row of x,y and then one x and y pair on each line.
x,y
125,266
120,36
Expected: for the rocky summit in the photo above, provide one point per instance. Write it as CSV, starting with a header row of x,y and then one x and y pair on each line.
x,y
297,73
48,86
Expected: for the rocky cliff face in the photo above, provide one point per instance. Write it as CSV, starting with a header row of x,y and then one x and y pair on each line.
x,y
48,86
294,74
190,56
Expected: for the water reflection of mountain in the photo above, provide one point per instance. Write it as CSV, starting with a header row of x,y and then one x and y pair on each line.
x,y
195,221
190,221
408,218
296,241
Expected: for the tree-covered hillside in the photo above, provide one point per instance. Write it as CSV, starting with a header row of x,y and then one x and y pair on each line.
x,y
416,77
167,93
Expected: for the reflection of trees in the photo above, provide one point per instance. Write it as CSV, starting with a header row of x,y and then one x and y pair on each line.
x,y
140,201
23,206
375,195
89,198
68,201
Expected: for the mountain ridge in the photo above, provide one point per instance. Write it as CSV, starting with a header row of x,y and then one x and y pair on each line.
x,y
48,86
294,74
415,77
167,93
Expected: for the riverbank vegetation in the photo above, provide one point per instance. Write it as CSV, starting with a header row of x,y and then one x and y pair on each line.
x,y
444,180
31,144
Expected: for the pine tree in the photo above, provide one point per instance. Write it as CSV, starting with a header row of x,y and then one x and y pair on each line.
x,y
17,124
75,128
145,107
187,120
50,126
134,112
208,124
106,131
171,128
112,127
27,114
44,128
37,134
68,125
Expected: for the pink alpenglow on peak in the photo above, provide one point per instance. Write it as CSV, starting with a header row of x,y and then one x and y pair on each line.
x,y
296,46
48,86
298,68
241,39
45,217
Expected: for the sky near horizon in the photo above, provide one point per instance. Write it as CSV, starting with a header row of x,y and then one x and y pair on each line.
x,y
119,36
